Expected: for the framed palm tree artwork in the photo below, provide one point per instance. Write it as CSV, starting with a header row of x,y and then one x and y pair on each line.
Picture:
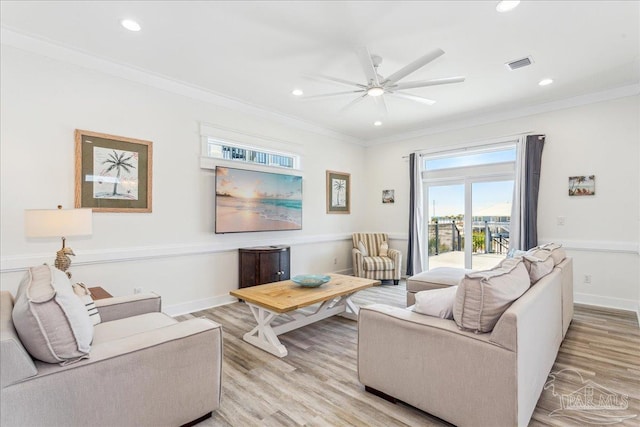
x,y
338,192
113,173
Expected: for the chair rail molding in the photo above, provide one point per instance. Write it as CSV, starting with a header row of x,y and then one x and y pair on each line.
x,y
22,262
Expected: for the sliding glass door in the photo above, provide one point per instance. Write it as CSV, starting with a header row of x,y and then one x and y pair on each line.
x,y
491,213
445,226
468,198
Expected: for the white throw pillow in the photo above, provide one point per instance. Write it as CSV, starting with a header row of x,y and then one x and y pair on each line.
x,y
484,296
384,249
436,302
81,290
363,249
52,323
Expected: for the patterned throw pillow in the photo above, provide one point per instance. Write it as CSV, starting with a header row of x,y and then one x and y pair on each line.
x,y
384,249
84,294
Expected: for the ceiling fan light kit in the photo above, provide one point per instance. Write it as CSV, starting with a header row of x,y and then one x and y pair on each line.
x,y
375,91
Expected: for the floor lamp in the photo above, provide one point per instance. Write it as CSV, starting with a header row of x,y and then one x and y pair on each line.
x,y
59,223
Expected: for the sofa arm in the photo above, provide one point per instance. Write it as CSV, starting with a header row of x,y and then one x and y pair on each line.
x,y
166,376
126,306
358,262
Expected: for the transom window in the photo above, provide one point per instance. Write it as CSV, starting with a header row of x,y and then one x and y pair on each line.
x,y
224,150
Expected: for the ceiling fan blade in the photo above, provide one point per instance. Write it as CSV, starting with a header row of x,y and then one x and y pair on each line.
x,y
335,80
413,98
415,65
424,83
352,103
382,106
367,65
327,95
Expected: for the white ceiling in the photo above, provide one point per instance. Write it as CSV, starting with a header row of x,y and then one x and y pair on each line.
x,y
257,52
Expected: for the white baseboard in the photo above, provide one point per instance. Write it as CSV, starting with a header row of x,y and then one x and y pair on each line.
x,y
197,305
609,302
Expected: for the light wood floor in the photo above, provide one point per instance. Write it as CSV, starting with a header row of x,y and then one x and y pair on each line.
x,y
317,384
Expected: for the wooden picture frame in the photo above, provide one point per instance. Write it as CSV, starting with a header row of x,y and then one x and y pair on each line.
x,y
338,192
113,173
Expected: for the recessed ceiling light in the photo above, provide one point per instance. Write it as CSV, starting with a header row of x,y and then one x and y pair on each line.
x,y
507,5
545,82
377,123
297,92
130,25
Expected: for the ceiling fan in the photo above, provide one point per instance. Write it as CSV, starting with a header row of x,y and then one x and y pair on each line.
x,y
377,85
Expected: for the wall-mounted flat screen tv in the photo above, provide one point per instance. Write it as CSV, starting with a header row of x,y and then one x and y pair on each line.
x,y
249,200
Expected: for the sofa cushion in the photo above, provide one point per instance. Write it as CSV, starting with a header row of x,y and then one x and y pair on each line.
x,y
378,263
436,302
557,252
439,277
483,296
129,326
52,323
538,263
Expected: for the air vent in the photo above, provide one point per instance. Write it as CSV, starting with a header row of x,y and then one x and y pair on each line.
x,y
519,63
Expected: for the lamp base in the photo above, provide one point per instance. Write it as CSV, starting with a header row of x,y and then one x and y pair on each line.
x,y
63,262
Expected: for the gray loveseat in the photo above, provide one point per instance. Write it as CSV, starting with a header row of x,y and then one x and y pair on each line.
x,y
467,378
144,369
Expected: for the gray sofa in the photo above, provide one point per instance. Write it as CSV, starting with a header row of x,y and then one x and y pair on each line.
x,y
144,369
467,378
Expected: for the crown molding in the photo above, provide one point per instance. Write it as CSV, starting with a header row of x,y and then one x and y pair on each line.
x,y
498,116
57,51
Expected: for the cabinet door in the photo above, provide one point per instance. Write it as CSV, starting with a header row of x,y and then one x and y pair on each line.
x,y
269,267
285,265
248,269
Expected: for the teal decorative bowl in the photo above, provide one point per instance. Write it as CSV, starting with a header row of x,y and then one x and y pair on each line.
x,y
310,280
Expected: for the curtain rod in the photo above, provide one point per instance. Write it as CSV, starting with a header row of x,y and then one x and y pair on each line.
x,y
461,147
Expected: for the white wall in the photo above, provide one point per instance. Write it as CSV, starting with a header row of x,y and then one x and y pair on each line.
x,y
173,250
600,232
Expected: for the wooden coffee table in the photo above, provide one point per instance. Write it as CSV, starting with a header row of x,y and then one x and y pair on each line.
x,y
285,299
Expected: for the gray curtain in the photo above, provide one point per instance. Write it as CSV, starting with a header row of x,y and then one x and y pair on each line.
x,y
415,244
524,216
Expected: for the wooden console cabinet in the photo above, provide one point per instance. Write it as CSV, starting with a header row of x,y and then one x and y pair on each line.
x,y
264,264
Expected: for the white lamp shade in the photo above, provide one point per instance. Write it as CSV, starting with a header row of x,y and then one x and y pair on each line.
x,y
58,222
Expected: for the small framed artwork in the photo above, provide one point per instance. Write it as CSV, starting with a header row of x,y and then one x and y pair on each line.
x,y
582,185
338,192
388,196
113,173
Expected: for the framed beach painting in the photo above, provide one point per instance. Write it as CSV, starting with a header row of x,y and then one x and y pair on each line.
x,y
113,173
388,196
338,192
582,185
249,200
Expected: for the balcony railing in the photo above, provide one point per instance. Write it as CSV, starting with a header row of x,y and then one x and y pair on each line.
x,y
489,237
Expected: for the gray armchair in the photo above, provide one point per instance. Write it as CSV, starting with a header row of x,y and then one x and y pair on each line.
x,y
368,262
144,369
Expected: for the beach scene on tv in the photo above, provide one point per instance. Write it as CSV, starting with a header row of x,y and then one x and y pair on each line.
x,y
257,201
